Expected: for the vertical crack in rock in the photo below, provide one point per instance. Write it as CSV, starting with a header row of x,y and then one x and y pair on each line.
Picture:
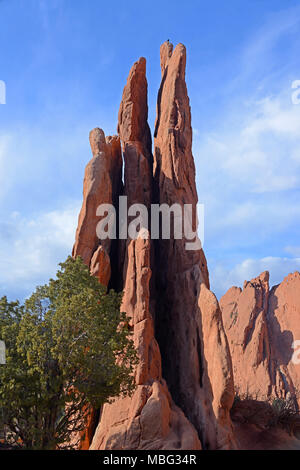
x,y
200,359
162,281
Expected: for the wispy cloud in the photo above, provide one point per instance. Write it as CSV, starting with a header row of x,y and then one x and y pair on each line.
x,y
261,153
259,60
248,165
31,248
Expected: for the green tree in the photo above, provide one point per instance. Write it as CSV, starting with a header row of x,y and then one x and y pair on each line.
x,y
68,348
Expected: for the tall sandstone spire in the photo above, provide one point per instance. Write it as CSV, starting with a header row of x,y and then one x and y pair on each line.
x,y
195,354
149,419
176,320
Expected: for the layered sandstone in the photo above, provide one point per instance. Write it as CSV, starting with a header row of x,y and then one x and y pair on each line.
x,y
262,326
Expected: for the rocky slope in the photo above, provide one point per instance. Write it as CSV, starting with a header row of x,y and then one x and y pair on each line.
x,y
262,326
184,381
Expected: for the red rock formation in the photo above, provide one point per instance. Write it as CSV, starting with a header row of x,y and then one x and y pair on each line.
x,y
135,136
244,316
196,358
284,330
257,427
136,143
149,419
166,287
100,265
102,185
262,326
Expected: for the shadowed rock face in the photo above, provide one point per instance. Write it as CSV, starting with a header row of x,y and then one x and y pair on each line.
x,y
166,287
262,325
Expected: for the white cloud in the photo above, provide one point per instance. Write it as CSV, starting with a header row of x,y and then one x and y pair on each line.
x,y
31,248
261,154
274,114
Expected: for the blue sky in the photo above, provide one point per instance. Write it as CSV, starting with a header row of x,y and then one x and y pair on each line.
x,y
65,63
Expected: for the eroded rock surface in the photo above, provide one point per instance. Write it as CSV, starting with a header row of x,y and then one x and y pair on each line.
x,y
184,383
